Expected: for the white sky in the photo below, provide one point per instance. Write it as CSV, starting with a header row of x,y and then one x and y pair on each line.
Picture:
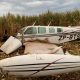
x,y
35,7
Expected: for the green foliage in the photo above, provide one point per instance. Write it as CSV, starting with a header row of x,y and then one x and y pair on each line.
x,y
13,23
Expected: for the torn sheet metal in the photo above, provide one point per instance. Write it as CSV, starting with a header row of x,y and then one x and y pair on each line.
x,y
11,45
42,48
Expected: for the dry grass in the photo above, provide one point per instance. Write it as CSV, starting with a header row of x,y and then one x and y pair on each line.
x,y
10,24
73,47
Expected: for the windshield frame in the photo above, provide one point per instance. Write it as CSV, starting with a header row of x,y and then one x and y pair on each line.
x,y
21,31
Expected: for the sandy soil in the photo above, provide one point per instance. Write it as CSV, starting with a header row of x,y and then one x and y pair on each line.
x,y
41,48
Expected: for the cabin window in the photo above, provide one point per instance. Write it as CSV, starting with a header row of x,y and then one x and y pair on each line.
x,y
51,30
31,30
59,30
41,30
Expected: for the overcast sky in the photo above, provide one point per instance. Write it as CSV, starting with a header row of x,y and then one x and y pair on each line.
x,y
35,7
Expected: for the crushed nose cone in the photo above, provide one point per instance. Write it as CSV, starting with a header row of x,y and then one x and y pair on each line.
x,y
11,45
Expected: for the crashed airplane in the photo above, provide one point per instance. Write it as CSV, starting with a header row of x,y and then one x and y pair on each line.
x,y
40,59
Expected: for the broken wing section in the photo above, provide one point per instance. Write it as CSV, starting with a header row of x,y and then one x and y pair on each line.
x,y
11,45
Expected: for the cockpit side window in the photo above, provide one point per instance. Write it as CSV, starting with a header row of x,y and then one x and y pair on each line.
x,y
51,30
59,30
41,30
31,30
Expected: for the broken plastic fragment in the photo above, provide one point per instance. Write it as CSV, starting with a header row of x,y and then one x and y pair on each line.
x,y
11,45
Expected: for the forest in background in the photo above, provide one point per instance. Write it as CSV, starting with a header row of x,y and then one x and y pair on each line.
x,y
10,23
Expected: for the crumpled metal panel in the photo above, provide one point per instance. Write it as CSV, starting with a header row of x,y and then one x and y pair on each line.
x,y
42,48
11,45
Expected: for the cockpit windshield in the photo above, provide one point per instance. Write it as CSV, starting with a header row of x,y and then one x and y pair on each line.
x,y
31,30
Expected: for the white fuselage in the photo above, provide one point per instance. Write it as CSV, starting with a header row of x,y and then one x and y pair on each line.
x,y
51,34
32,65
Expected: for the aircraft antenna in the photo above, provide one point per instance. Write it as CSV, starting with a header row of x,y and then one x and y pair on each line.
x,y
49,23
34,23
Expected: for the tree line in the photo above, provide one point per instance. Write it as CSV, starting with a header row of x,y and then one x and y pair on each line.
x,y
10,24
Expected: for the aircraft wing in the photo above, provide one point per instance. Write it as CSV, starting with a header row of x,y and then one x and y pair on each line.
x,y
46,66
